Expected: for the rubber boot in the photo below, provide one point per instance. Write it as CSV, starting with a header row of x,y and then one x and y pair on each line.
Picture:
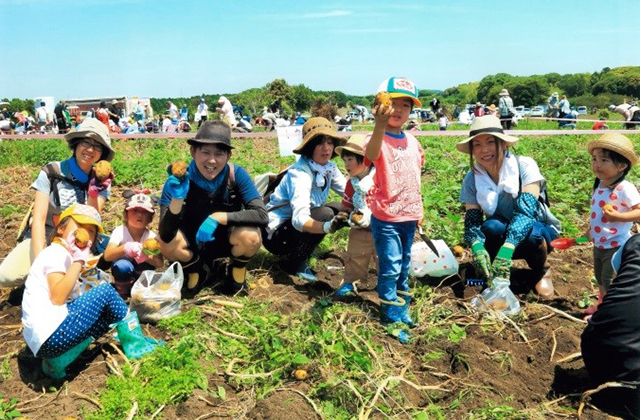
x,y
405,316
538,262
196,274
592,309
55,367
390,315
134,343
236,274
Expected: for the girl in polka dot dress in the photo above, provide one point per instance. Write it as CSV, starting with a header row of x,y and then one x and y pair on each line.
x,y
615,204
53,329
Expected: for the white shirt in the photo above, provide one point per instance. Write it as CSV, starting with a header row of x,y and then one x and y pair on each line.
x,y
121,236
40,316
41,114
203,110
173,111
227,111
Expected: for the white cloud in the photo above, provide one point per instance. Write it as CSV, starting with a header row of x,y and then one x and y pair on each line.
x,y
331,14
368,31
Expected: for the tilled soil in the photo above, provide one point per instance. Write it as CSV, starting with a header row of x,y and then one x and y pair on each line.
x,y
517,364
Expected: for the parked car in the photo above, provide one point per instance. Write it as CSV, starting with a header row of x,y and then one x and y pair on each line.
x,y
519,109
526,111
537,111
582,110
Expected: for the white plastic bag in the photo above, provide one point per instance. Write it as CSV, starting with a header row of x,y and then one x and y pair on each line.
x,y
89,278
499,298
425,263
155,295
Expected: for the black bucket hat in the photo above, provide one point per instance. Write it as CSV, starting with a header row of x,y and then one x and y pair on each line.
x,y
212,132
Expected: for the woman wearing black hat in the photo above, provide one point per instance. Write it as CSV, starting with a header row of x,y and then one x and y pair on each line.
x,y
212,212
298,215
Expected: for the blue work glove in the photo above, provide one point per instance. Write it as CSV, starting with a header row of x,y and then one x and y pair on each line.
x,y
206,229
177,187
501,267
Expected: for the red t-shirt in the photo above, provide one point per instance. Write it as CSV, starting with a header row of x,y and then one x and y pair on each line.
x,y
396,193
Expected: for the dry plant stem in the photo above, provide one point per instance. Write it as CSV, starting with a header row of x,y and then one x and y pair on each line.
x,y
228,334
27,409
562,313
309,400
153,416
229,372
87,398
570,358
555,344
366,412
30,401
126,359
134,410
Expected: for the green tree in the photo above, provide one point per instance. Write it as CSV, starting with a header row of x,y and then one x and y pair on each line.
x,y
575,84
621,80
253,100
278,89
530,90
300,97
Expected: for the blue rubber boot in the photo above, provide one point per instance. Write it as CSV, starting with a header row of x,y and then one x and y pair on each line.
x,y
134,343
406,315
391,315
55,367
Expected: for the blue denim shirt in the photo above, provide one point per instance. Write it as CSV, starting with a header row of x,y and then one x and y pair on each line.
x,y
298,193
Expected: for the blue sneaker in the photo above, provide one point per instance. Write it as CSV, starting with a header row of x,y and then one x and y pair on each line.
x,y
298,268
305,273
346,290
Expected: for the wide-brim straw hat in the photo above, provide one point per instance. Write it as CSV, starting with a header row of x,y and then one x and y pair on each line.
x,y
93,129
504,92
355,144
615,142
487,124
318,126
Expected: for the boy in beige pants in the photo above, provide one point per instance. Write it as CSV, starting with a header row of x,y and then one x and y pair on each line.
x,y
360,249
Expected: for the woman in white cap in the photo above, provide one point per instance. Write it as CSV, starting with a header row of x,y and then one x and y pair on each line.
x,y
299,217
58,186
507,215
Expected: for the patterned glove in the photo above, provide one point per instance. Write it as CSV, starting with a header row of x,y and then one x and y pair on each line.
x,y
473,227
96,186
206,230
523,218
77,254
338,222
502,264
481,259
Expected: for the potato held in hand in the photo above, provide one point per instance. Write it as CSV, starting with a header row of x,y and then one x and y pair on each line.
x,y
102,170
151,247
81,238
179,169
356,217
383,98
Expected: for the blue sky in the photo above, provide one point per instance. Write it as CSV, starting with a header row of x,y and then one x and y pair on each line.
x,y
85,48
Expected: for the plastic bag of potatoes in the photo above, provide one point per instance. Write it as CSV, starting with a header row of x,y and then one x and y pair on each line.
x,y
155,295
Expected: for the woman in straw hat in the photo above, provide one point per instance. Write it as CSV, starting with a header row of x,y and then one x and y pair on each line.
x,y
615,203
299,216
506,109
58,186
505,218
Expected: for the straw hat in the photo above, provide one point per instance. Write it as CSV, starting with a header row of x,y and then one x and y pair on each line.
x,y
93,129
504,92
317,126
487,124
615,142
492,107
355,144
